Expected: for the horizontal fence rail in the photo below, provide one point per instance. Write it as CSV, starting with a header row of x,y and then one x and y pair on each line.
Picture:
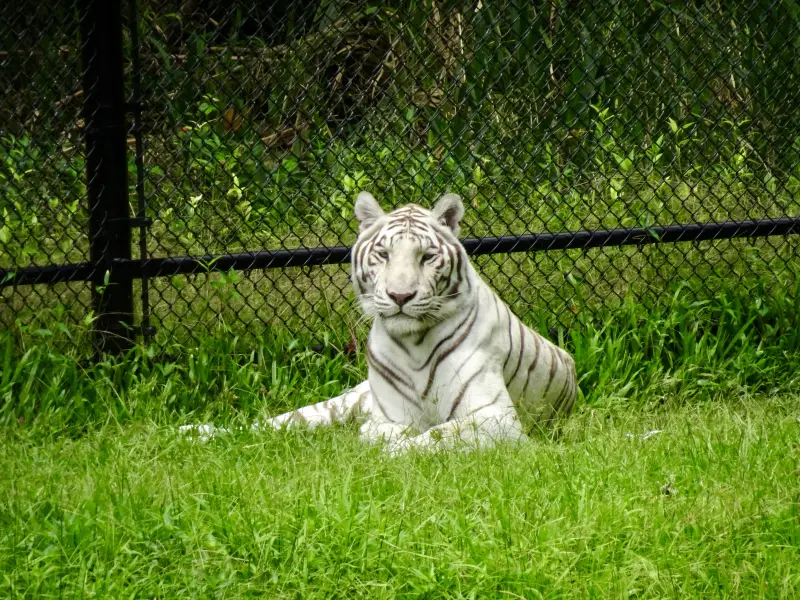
x,y
314,257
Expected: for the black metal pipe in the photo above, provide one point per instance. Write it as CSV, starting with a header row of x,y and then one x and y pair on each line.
x,y
47,275
690,232
107,172
306,257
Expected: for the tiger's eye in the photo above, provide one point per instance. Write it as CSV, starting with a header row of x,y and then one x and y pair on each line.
x,y
383,254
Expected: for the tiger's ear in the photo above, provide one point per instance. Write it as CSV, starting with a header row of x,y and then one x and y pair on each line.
x,y
367,210
449,210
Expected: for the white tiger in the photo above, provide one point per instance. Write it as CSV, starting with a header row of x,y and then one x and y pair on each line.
x,y
448,360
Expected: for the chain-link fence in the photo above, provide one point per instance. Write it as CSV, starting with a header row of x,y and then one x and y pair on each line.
x,y
604,149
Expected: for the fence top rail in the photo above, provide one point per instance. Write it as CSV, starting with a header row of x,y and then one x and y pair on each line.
x,y
312,257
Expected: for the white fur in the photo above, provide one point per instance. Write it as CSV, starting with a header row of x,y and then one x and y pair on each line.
x,y
445,368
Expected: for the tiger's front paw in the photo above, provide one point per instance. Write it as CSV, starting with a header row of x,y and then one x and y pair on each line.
x,y
397,447
405,445
279,423
201,433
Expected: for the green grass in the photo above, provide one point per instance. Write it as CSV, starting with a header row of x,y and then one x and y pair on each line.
x,y
100,498
708,508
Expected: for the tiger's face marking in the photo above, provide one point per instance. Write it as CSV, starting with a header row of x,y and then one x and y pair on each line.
x,y
408,267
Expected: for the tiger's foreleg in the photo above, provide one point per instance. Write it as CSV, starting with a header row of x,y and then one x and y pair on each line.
x,y
356,403
481,419
339,409
483,429
376,430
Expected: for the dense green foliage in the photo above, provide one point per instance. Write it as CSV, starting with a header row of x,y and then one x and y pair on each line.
x,y
546,116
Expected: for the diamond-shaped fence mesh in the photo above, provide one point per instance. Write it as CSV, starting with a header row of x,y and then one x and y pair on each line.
x,y
588,139
43,208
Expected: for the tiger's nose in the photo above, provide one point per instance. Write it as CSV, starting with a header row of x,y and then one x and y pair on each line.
x,y
401,299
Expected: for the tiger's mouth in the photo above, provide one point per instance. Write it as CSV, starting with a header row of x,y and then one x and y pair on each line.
x,y
415,319
403,324
399,314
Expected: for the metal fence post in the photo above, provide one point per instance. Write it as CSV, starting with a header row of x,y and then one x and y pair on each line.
x,y
107,171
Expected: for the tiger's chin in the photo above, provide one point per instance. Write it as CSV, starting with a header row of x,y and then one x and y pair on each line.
x,y
401,324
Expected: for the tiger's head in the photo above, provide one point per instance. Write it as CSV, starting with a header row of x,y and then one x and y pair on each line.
x,y
409,270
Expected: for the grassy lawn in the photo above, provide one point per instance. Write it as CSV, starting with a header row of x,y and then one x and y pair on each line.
x,y
100,498
708,507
